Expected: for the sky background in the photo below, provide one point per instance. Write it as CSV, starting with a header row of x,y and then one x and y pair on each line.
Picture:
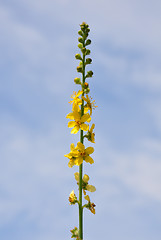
x,y
37,66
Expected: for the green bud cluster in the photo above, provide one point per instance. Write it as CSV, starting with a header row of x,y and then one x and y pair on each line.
x,y
83,42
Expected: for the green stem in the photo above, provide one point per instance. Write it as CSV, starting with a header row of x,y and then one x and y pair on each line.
x,y
81,166
80,203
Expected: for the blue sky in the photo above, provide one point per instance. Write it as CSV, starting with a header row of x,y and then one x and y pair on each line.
x,y
37,67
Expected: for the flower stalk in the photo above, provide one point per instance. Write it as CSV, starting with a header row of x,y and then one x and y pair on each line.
x,y
81,116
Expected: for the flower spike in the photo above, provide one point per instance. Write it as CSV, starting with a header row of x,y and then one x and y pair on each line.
x,y
79,119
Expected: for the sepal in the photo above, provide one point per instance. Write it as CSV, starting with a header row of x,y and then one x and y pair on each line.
x,y
75,233
90,205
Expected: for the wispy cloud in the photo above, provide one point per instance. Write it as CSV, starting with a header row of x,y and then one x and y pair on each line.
x,y
38,44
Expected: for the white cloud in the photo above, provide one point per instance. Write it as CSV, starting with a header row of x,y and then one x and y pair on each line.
x,y
34,174
138,172
153,107
25,38
126,24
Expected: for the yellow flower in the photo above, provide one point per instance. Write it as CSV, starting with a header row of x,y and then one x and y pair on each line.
x,y
72,198
89,105
79,121
83,154
76,100
85,185
90,206
72,156
91,135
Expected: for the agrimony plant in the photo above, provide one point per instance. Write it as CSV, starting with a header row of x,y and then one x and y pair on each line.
x,y
80,118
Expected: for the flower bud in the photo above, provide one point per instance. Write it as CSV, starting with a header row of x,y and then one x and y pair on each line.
x,y
78,56
85,85
86,91
88,61
79,69
83,25
83,50
80,45
89,74
80,39
77,80
88,52
88,42
88,30
80,33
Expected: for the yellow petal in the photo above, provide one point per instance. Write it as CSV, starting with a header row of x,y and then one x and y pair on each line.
x,y
71,124
85,178
85,109
78,101
84,98
80,146
76,176
91,188
89,119
74,153
93,211
71,163
72,147
70,116
89,159
76,115
89,150
68,156
92,127
79,93
75,130
76,108
85,117
72,193
84,127
87,198
78,161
